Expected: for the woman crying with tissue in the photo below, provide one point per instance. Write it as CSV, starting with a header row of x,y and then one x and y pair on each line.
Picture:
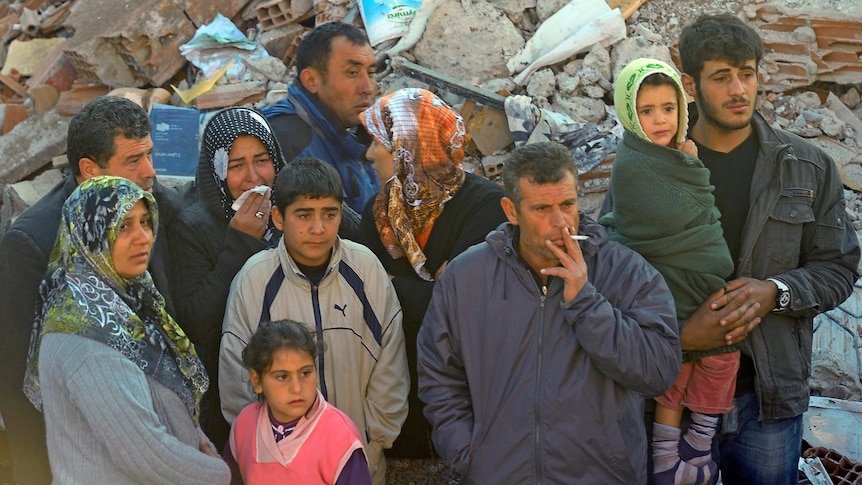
x,y
211,239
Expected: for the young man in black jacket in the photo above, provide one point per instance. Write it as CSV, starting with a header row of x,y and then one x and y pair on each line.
x,y
795,251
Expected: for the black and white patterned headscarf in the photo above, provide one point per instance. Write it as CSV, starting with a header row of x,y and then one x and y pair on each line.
x,y
220,133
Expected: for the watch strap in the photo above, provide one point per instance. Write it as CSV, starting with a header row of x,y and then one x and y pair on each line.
x,y
783,298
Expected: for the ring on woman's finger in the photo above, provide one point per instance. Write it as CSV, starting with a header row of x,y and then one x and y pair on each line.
x,y
259,214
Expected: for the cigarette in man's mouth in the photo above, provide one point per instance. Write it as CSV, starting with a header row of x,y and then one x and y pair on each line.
x,y
578,237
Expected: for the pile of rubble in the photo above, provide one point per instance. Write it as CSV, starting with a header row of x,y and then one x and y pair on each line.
x,y
59,54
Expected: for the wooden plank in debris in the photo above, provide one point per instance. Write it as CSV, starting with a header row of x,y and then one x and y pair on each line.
x,y
14,85
447,83
627,7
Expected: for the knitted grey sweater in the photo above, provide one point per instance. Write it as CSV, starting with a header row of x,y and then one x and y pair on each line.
x,y
109,423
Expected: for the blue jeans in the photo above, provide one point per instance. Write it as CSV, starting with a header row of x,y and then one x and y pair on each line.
x,y
753,453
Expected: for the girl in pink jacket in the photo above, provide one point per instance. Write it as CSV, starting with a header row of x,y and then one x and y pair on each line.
x,y
292,435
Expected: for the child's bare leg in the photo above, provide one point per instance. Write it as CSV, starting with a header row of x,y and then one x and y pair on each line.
x,y
668,416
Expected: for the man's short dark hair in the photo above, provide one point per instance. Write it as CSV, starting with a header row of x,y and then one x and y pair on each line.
x,y
721,37
92,131
316,46
540,163
306,177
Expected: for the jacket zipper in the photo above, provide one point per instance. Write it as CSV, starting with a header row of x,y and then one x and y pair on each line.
x,y
537,398
318,327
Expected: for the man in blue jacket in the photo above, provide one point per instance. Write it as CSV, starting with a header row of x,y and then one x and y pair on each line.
x,y
319,118
537,349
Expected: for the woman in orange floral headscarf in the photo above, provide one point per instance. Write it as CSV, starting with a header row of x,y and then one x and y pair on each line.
x,y
427,212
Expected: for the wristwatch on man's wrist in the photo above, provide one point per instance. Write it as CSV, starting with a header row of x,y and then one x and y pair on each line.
x,y
782,299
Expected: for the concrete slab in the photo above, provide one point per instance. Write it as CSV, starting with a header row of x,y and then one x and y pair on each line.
x,y
835,424
31,145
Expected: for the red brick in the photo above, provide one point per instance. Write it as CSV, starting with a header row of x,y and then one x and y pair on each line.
x,y
15,113
72,101
230,95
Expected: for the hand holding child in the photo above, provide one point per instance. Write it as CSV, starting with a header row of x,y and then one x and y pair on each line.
x,y
689,148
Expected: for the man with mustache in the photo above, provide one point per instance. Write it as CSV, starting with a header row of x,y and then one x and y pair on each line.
x,y
540,343
319,117
794,250
109,136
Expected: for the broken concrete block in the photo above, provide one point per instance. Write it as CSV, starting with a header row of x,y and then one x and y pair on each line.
x,y
632,48
202,13
846,115
580,108
136,43
18,197
492,166
851,176
230,95
489,130
850,98
278,13
809,99
808,44
646,33
594,91
542,84
599,59
277,41
29,21
25,56
52,16
513,9
843,155
289,57
97,61
31,145
266,68
566,84
475,57
55,70
546,8
832,126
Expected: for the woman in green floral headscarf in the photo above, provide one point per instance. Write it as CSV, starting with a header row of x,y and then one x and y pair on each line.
x,y
118,381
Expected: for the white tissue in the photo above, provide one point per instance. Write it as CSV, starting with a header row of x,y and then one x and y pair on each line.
x,y
260,189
